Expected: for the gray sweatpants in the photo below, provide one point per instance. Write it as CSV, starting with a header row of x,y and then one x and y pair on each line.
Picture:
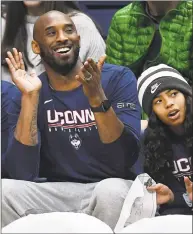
x,y
104,200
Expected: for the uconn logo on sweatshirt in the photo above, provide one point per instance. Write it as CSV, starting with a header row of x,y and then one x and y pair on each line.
x,y
70,119
181,167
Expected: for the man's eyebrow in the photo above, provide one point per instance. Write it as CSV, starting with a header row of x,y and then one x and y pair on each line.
x,y
69,24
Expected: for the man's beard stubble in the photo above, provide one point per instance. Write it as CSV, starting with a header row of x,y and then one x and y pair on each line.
x,y
60,68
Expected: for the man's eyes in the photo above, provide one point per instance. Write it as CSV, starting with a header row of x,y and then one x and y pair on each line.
x,y
50,33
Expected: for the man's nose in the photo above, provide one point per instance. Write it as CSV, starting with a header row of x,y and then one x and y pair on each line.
x,y
62,36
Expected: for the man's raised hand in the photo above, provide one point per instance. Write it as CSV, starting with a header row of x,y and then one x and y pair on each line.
x,y
27,84
90,77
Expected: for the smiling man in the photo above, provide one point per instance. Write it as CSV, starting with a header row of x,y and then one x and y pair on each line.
x,y
77,124
60,55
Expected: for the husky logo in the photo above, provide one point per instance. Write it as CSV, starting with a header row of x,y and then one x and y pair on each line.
x,y
75,141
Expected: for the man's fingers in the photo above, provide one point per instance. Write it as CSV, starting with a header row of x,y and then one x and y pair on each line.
x,y
88,67
93,64
16,57
101,62
85,74
22,66
10,65
80,79
11,58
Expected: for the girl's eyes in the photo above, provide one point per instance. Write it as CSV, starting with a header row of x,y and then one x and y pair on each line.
x,y
174,94
158,101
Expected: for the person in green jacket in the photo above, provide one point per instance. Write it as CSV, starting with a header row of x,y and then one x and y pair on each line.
x,y
147,33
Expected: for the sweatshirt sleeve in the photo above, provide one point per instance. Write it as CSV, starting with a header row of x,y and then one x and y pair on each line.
x,y
123,95
91,42
21,161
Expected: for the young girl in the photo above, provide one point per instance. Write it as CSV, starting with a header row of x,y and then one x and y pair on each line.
x,y
167,99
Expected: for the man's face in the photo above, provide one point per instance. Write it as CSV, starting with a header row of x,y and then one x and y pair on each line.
x,y
170,107
59,43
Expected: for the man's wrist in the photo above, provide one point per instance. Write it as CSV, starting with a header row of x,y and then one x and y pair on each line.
x,y
31,96
96,101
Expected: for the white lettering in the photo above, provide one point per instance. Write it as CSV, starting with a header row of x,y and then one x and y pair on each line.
x,y
183,164
190,160
89,115
66,115
175,168
70,117
120,105
80,117
50,120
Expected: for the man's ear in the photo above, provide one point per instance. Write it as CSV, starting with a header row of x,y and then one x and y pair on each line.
x,y
35,47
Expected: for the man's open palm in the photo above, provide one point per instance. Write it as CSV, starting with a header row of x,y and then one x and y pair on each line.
x,y
27,84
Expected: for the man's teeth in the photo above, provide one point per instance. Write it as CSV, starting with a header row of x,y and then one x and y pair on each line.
x,y
63,50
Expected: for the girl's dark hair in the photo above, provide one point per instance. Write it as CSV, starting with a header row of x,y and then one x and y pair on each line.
x,y
157,146
15,34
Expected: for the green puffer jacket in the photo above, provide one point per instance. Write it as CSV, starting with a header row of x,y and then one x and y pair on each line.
x,y
132,31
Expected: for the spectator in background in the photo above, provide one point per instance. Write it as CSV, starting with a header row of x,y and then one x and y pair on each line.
x,y
8,91
17,30
54,133
167,99
147,33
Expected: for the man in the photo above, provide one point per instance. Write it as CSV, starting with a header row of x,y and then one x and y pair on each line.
x,y
82,153
8,91
147,33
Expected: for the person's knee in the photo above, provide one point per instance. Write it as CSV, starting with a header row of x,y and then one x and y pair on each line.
x,y
112,189
12,189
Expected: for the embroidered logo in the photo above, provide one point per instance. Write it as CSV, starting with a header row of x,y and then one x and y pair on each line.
x,y
75,141
48,101
154,87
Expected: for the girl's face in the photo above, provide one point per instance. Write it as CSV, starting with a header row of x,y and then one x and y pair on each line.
x,y
170,107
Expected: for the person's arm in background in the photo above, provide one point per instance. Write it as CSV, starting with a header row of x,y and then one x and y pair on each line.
x,y
114,44
22,157
118,127
8,91
92,44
